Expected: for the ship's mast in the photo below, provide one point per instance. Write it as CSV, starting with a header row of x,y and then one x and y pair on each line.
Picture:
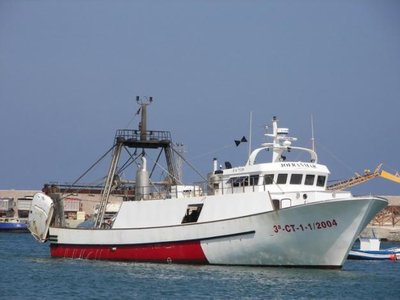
x,y
280,140
143,109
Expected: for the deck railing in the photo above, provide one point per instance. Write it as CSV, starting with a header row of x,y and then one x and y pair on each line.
x,y
137,135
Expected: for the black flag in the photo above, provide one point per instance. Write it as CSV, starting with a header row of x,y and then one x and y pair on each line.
x,y
243,140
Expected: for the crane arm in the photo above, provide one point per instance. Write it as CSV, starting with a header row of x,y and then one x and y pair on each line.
x,y
387,175
368,175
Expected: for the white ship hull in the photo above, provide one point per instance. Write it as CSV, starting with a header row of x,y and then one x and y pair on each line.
x,y
315,235
278,213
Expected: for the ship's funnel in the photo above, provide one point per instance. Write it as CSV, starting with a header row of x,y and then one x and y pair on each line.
x,y
142,188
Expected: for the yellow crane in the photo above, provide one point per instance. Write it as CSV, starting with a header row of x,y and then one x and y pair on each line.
x,y
368,175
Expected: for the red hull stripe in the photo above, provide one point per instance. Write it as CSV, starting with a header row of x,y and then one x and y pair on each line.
x,y
178,252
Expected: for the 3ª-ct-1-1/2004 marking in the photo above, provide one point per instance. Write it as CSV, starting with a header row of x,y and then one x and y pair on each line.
x,y
304,227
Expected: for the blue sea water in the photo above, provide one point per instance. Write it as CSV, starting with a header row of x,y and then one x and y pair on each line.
x,y
28,272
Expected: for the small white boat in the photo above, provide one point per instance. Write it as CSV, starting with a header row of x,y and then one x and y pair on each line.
x,y
276,213
370,250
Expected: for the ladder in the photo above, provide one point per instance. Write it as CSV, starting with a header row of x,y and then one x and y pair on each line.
x,y
109,183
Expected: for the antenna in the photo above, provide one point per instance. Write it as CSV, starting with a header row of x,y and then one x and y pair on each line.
x,y
312,134
250,133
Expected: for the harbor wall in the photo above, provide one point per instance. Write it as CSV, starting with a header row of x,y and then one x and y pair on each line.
x,y
385,232
17,193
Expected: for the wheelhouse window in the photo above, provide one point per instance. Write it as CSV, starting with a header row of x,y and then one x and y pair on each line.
x,y
254,179
321,180
282,178
239,181
296,178
309,180
268,179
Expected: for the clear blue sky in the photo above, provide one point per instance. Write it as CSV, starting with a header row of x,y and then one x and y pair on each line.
x,y
70,72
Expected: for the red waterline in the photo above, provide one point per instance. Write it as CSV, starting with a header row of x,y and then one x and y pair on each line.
x,y
178,252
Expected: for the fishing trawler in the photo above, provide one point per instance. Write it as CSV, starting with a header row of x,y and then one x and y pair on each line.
x,y
276,213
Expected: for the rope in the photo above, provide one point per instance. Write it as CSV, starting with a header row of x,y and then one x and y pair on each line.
x,y
212,151
162,168
336,158
129,162
189,164
87,171
133,118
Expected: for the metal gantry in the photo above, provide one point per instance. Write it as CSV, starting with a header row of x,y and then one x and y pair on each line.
x,y
139,139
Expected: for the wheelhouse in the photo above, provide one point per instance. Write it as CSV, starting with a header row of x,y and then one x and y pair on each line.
x,y
270,177
276,176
